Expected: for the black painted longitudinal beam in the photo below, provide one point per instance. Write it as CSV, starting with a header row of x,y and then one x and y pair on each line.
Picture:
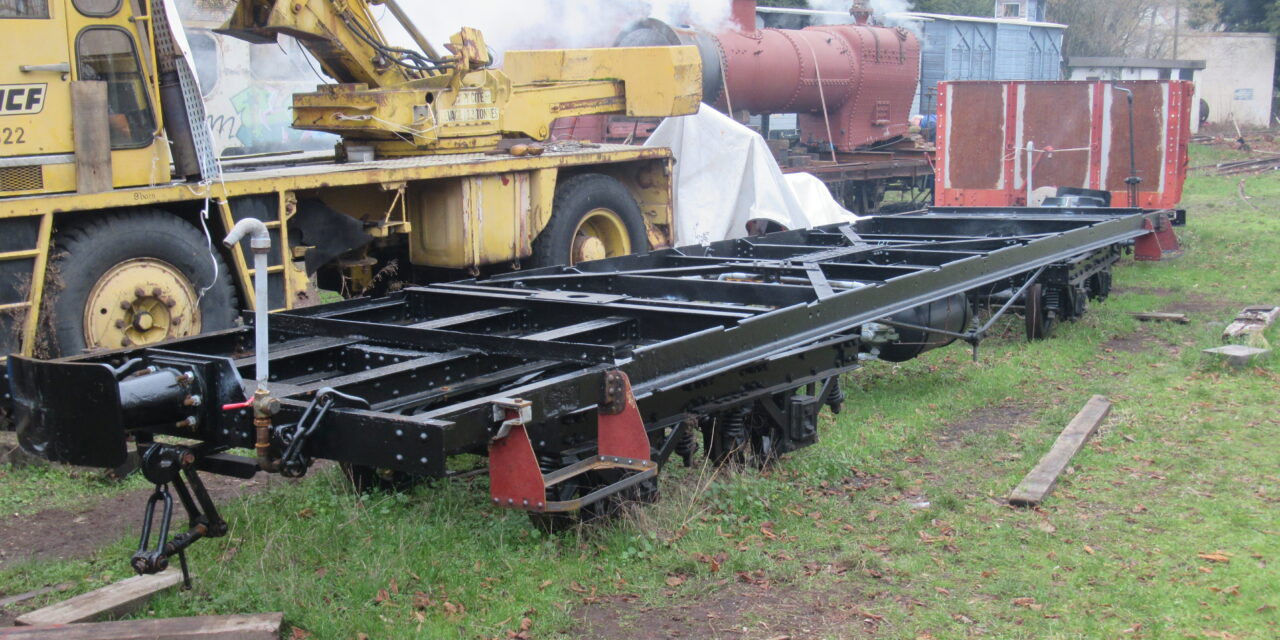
x,y
696,329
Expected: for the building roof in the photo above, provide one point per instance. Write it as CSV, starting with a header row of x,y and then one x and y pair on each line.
x,y
1134,63
912,16
931,17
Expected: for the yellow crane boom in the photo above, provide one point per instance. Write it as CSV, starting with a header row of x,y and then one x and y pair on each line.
x,y
399,102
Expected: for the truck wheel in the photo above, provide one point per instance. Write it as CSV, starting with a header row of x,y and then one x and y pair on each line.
x,y
134,278
593,216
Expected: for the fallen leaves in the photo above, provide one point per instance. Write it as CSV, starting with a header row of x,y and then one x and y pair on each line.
x,y
1216,556
1029,603
713,562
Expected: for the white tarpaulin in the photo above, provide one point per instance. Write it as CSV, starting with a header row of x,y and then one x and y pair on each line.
x,y
725,176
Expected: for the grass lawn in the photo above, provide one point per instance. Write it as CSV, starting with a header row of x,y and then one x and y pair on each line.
x,y
894,525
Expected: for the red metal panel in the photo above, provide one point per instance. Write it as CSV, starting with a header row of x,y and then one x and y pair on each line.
x,y
940,162
1148,137
1066,132
971,162
1098,103
1008,153
1062,115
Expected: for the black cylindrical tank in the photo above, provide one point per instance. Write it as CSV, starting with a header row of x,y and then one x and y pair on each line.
x,y
949,314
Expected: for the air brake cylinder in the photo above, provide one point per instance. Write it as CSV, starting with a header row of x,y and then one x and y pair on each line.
x,y
851,85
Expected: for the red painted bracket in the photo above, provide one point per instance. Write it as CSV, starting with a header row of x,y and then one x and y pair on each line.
x,y
516,479
1160,242
620,429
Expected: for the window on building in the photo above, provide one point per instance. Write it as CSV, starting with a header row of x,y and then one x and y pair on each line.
x,y
24,8
1186,74
1011,10
107,54
1165,74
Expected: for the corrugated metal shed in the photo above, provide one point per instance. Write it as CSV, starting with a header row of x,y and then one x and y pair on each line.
x,y
965,48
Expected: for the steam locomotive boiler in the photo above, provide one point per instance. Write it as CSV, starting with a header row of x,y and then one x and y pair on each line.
x,y
851,85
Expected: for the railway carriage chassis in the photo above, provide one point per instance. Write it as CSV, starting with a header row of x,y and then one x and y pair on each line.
x,y
577,383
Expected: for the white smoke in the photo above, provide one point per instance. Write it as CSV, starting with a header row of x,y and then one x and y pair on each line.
x,y
884,11
543,24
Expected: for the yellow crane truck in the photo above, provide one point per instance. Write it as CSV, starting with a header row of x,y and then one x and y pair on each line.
x,y
111,201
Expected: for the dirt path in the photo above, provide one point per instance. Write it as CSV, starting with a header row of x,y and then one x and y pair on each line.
x,y
69,533
737,610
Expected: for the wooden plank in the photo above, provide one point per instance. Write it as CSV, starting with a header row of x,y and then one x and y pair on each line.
x,y
1251,321
262,626
113,600
1033,488
91,133
23,597
1180,318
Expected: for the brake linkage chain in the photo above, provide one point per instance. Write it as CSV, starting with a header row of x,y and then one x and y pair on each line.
x,y
292,463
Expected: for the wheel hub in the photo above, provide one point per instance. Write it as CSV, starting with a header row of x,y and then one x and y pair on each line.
x,y
588,248
140,301
143,321
601,234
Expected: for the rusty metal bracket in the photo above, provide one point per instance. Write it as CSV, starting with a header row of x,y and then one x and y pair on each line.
x,y
616,388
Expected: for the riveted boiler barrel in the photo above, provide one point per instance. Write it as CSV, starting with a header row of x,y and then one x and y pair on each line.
x,y
786,71
855,82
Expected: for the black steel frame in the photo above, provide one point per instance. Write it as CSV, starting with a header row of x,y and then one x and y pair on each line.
x,y
697,330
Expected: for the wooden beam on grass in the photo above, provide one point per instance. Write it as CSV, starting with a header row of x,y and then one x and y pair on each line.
x,y
1251,321
1033,488
262,626
1180,318
113,600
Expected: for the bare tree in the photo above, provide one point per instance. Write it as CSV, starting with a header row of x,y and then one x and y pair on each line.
x,y
1104,27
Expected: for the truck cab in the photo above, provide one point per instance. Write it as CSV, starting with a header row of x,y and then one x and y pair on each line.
x,y
71,56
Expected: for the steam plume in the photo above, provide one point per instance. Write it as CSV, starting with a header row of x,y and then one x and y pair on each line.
x,y
541,24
